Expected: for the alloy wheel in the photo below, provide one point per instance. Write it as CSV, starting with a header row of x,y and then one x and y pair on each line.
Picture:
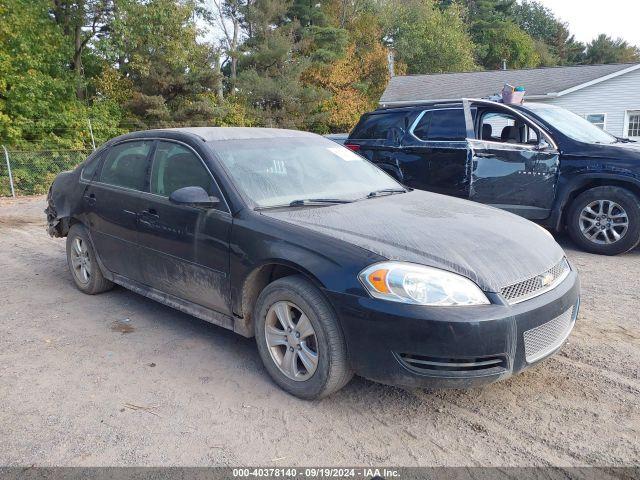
x,y
291,340
603,222
80,261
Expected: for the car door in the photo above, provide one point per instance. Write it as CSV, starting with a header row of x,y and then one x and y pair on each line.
x,y
184,249
514,163
112,200
434,153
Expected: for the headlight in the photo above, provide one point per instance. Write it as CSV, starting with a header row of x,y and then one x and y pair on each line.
x,y
420,285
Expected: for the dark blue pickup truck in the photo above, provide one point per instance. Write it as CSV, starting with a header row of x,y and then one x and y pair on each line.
x,y
538,161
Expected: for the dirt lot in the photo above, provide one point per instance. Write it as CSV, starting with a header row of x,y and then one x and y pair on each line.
x,y
117,379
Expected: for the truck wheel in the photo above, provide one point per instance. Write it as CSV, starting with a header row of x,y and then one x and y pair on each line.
x,y
83,264
299,339
605,220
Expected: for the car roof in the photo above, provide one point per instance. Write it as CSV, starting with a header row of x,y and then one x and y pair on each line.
x,y
215,134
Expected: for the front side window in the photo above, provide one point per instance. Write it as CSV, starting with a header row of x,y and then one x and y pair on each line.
x,y
633,130
175,166
276,171
126,165
446,125
504,127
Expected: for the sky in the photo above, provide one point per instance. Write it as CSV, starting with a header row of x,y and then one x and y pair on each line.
x,y
588,18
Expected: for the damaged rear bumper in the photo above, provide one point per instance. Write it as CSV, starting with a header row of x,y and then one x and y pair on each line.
x,y
53,222
456,347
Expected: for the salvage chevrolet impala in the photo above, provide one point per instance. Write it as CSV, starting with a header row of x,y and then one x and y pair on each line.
x,y
332,265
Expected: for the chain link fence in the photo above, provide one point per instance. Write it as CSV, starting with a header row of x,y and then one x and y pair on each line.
x,y
33,171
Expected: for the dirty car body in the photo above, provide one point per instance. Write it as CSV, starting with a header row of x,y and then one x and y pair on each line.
x,y
213,261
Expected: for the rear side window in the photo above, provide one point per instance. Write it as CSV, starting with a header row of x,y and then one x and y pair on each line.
x,y
176,166
442,125
381,126
126,165
89,170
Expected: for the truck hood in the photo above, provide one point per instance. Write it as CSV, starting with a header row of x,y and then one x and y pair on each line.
x,y
629,152
489,246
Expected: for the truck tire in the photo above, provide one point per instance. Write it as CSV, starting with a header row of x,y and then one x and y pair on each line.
x,y
605,220
83,264
299,339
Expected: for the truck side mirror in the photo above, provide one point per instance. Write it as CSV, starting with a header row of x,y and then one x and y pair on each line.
x,y
543,145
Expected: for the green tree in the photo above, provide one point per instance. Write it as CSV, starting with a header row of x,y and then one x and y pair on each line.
x,y
153,45
508,42
37,98
497,37
554,42
80,21
427,39
284,39
604,49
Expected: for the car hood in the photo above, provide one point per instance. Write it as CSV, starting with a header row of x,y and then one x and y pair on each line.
x,y
489,246
616,151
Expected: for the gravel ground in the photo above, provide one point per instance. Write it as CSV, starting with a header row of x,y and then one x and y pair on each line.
x,y
117,379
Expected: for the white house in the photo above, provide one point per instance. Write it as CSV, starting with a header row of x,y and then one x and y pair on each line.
x,y
606,95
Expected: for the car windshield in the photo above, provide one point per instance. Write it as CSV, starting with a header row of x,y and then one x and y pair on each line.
x,y
278,171
572,125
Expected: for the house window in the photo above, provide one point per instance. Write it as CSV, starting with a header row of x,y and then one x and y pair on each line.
x,y
633,128
598,119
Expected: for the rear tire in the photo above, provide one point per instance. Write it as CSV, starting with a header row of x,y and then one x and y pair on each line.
x,y
605,220
309,361
83,263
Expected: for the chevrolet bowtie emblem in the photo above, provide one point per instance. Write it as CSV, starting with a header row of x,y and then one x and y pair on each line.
x,y
546,279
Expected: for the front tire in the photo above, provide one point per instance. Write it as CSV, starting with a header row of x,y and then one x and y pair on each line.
x,y
605,220
83,263
299,339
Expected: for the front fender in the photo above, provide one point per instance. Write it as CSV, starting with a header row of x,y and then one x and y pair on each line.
x,y
258,241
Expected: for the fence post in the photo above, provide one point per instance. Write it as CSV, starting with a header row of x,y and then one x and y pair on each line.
x,y
6,156
93,141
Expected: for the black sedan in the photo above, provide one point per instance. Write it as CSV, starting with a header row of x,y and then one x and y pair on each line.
x,y
330,263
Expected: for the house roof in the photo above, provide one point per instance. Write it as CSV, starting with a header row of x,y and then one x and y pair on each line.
x,y
539,82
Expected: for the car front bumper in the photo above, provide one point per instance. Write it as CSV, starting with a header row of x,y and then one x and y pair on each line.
x,y
454,347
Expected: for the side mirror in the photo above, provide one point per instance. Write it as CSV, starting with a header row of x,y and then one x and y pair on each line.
x,y
193,196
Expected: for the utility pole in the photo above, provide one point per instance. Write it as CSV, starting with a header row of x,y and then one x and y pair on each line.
x,y
391,62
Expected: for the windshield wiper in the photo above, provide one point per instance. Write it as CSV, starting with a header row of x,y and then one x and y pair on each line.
x,y
317,201
385,192
306,203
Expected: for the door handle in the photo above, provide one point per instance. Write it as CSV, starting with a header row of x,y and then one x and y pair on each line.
x,y
90,199
149,215
483,155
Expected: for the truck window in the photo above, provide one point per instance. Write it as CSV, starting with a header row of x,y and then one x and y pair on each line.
x,y
380,126
505,128
447,125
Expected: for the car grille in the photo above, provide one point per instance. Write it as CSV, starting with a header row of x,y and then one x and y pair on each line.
x,y
544,339
534,286
423,364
